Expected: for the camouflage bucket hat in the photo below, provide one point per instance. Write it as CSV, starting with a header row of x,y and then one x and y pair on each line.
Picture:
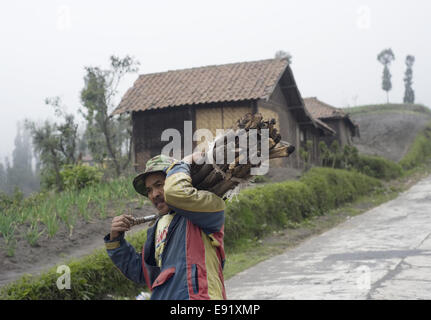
x,y
156,164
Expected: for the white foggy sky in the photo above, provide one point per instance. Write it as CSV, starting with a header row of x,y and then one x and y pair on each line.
x,y
45,46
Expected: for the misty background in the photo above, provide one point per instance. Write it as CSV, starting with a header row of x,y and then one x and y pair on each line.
x,y
334,47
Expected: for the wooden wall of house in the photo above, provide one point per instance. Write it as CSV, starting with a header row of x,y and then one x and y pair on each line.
x,y
149,125
343,133
313,134
147,131
219,116
287,124
315,153
333,124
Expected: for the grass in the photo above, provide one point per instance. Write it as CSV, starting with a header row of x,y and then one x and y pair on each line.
x,y
392,107
91,278
378,167
33,234
419,151
65,208
7,230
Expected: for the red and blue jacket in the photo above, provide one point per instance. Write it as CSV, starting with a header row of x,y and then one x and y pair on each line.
x,y
193,257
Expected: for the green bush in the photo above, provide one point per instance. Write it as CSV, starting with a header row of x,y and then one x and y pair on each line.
x,y
76,177
7,201
255,212
377,167
91,278
350,159
260,179
419,151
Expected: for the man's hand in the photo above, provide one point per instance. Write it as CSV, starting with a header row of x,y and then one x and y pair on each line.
x,y
120,224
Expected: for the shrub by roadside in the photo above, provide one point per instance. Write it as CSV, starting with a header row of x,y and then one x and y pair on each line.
x,y
350,159
378,167
91,278
419,151
255,212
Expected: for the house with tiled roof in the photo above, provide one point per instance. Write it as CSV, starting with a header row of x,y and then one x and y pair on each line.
x,y
214,97
335,118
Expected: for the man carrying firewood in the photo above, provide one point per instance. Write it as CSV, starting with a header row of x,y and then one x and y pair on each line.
x,y
183,256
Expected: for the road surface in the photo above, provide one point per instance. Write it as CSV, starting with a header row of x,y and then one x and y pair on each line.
x,y
384,253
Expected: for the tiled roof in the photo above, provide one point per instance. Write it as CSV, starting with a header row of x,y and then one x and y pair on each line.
x,y
324,126
321,110
217,83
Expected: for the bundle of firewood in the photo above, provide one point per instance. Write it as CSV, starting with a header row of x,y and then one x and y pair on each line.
x,y
221,176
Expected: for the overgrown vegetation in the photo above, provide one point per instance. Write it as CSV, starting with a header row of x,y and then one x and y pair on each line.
x,y
419,151
305,153
350,159
55,143
91,278
378,167
78,177
44,212
107,136
392,107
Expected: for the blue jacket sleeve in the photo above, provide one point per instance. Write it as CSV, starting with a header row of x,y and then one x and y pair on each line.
x,y
125,258
203,208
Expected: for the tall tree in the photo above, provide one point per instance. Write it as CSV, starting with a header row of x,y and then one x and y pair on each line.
x,y
46,143
280,54
2,178
21,173
9,176
55,143
409,94
107,136
18,172
386,57
68,130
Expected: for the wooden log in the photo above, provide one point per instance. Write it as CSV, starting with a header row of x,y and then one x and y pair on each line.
x,y
220,178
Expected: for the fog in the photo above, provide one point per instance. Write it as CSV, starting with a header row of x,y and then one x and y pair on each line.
x,y
334,44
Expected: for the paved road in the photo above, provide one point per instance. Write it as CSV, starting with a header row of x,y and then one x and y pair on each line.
x,y
384,253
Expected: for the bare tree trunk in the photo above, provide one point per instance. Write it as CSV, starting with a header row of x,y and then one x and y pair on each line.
x,y
129,154
58,180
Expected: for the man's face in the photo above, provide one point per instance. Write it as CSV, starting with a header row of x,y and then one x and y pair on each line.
x,y
154,183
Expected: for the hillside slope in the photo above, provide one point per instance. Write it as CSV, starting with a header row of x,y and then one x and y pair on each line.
x,y
388,130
